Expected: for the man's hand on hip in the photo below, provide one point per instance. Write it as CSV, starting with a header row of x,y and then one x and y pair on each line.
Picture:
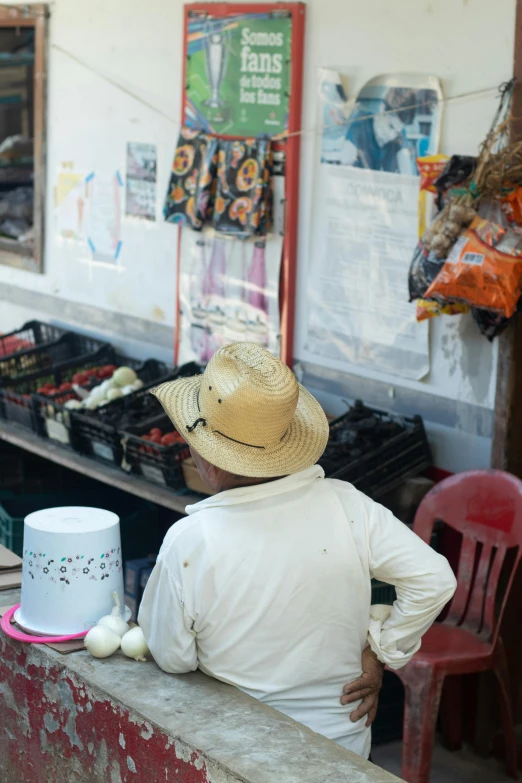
x,y
366,687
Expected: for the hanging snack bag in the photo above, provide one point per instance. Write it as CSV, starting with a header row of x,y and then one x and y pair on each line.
x,y
430,169
428,308
484,269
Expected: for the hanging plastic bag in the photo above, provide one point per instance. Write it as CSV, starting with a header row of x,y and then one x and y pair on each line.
x,y
484,269
424,268
511,205
457,171
490,324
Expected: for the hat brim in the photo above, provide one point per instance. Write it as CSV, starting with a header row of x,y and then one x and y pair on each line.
x,y
301,447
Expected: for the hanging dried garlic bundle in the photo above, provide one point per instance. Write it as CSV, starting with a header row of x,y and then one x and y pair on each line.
x,y
448,225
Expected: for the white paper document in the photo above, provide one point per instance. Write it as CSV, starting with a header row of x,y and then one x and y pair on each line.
x,y
364,233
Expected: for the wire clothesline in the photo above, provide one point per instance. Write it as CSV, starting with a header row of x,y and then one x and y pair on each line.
x,y
451,99
316,130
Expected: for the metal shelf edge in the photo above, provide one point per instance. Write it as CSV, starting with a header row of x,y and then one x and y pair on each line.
x,y
18,436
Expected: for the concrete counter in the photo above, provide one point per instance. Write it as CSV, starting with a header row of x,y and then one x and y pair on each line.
x,y
72,718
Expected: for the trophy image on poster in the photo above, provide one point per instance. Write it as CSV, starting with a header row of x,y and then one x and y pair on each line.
x,y
216,60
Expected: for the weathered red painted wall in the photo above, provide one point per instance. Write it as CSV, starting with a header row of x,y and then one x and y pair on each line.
x,y
55,729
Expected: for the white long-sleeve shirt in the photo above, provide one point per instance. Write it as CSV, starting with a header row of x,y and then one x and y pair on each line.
x,y
268,588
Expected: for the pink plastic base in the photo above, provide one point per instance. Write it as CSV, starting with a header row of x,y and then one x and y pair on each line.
x,y
20,636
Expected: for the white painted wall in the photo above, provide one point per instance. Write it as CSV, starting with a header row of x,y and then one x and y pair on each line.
x,y
137,45
440,38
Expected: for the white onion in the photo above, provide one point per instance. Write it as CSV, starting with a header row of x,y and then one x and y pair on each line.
x,y
133,645
115,621
73,405
124,376
97,393
107,384
101,641
114,394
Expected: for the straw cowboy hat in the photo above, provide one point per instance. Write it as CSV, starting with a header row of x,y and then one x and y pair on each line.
x,y
247,414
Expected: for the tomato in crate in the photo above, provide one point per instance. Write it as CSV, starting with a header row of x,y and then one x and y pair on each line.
x,y
95,425
20,400
66,354
100,430
156,452
23,350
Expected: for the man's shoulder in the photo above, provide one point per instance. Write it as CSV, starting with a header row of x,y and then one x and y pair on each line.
x,y
185,530
343,488
349,495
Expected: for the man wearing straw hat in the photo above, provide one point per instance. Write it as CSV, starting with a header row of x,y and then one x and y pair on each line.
x,y
266,585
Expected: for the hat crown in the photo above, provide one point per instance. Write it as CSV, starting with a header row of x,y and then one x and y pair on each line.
x,y
248,395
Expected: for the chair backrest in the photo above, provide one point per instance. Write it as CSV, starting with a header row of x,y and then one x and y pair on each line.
x,y
485,506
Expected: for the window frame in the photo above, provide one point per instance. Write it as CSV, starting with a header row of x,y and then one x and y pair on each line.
x,y
35,16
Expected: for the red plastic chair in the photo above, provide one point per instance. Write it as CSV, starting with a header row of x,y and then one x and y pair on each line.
x,y
486,508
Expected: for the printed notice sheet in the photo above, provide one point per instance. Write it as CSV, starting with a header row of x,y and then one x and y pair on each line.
x,y
363,236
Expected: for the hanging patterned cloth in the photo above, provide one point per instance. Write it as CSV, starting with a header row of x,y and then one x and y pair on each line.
x,y
192,181
242,207
226,184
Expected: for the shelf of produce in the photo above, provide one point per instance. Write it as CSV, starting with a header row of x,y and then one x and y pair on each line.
x,y
19,436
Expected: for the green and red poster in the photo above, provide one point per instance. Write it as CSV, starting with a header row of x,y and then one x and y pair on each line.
x,y
238,73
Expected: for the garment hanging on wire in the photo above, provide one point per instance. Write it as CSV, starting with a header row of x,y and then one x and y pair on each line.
x,y
222,183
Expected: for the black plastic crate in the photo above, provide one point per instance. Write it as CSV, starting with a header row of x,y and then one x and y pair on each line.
x,y
53,418
157,463
17,347
97,433
57,421
382,593
17,402
375,450
67,351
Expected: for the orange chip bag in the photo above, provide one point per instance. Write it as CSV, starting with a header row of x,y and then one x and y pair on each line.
x,y
430,169
483,269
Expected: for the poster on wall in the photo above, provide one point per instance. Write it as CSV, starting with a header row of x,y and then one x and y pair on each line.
x,y
365,224
393,121
71,205
238,73
140,185
104,231
229,292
